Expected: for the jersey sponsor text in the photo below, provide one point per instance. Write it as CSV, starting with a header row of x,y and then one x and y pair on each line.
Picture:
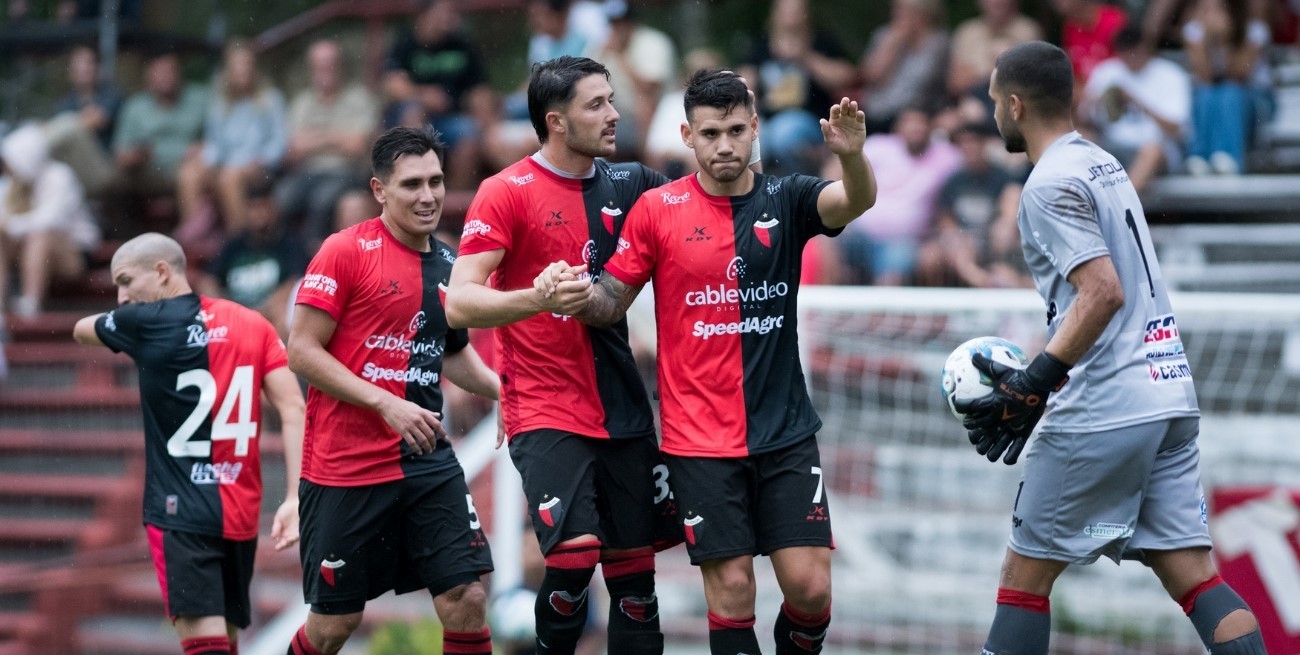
x,y
750,325
417,375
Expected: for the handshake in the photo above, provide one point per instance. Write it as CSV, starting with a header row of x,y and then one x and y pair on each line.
x,y
562,289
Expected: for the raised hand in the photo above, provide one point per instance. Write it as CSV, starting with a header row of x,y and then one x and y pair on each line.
x,y
845,130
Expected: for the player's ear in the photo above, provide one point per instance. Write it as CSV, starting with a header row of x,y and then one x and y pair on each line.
x,y
1017,106
555,122
686,136
377,189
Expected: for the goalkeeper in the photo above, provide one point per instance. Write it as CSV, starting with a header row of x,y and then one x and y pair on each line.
x,y
1115,468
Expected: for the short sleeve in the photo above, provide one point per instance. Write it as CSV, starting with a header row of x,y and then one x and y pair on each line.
x,y
1062,218
457,340
489,223
119,329
651,178
273,352
634,260
329,277
805,190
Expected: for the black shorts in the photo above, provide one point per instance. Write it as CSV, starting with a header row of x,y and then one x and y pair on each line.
x,y
616,489
752,505
202,575
415,533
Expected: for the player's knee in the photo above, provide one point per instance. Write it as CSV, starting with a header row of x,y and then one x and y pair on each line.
x,y
731,580
810,593
328,633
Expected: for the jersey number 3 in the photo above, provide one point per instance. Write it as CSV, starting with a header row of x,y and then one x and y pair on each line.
x,y
238,393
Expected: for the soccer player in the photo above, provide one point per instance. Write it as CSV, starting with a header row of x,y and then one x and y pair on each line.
x,y
1115,468
204,366
724,248
384,500
579,419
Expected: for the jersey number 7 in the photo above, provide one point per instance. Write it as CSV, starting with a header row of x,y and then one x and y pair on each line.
x,y
238,393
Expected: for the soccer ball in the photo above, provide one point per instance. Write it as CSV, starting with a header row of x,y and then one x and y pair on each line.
x,y
962,381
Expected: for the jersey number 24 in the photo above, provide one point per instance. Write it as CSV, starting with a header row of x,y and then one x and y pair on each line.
x,y
239,393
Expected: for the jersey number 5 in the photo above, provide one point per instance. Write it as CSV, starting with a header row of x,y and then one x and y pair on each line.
x,y
238,393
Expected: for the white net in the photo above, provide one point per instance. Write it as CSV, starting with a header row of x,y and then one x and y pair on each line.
x,y
921,521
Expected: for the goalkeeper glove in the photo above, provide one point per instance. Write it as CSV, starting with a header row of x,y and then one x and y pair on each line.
x,y
1004,419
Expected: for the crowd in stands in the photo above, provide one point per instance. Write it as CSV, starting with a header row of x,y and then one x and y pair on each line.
x,y
251,178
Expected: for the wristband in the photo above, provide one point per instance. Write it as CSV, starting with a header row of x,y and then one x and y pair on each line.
x,y
1047,372
755,155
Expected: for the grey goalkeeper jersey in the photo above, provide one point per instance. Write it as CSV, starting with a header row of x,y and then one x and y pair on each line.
x,y
1077,205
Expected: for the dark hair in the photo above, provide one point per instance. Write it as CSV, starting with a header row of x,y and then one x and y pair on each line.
x,y
1128,39
553,83
1040,73
403,141
717,88
973,128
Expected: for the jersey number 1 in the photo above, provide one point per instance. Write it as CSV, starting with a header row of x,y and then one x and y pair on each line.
x,y
1133,226
238,392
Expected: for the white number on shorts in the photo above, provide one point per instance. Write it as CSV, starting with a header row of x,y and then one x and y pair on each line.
x,y
662,490
474,523
817,496
239,393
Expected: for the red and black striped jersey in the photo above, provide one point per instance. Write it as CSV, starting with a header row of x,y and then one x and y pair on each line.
x,y
392,332
557,373
726,275
201,363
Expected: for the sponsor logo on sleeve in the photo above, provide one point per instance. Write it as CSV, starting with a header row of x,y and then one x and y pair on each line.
x,y
320,282
367,246
773,188
1163,346
475,226
623,244
110,323
521,180
619,176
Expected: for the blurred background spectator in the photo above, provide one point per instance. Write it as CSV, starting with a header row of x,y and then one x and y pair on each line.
x,y
1225,52
796,71
910,164
46,228
641,62
905,64
260,266
81,129
431,75
331,124
975,241
1140,105
1088,29
976,44
243,141
158,129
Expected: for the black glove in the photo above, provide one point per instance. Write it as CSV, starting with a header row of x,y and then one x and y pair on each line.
x,y
1004,419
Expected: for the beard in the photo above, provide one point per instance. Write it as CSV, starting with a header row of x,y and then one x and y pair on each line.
x,y
1012,137
593,147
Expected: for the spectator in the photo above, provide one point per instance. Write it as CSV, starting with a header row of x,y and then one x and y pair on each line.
x,y
260,267
243,140
551,34
1088,30
1141,104
910,168
978,41
640,60
81,129
796,72
905,63
975,242
330,127
431,75
1225,49
157,128
46,229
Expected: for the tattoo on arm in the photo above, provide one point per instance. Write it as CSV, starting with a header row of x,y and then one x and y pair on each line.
x,y
609,302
